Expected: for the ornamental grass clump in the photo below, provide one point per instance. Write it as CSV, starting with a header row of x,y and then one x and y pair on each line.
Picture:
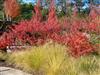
x,y
52,59
47,58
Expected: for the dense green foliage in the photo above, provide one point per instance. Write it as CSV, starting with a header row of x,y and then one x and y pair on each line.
x,y
26,11
1,6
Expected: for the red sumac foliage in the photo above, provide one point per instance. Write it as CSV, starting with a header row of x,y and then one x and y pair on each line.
x,y
72,33
5,40
79,44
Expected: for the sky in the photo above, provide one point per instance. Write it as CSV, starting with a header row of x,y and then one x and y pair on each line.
x,y
86,5
86,1
28,1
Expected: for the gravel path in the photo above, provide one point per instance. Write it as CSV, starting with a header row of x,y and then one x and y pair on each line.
x,y
11,71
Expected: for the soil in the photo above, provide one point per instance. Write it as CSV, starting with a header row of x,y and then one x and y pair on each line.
x,y
4,64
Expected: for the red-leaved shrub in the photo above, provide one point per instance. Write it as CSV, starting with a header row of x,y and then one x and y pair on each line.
x,y
71,32
79,44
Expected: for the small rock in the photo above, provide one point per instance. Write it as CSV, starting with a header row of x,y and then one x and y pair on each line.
x,y
10,71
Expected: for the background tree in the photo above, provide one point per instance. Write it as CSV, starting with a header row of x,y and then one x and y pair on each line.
x,y
26,10
11,9
1,9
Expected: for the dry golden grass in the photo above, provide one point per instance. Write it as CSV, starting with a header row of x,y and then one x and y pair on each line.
x,y
52,59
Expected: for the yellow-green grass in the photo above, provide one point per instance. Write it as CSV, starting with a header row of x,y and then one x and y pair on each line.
x,y
53,59
3,55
